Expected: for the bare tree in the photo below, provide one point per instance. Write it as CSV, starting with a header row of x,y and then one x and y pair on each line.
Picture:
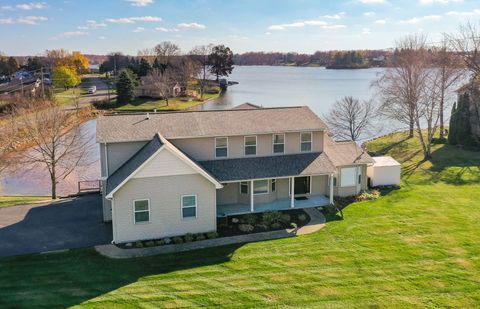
x,y
351,118
466,42
56,138
401,84
200,55
166,52
162,82
451,73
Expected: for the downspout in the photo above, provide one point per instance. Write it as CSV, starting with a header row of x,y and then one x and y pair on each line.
x,y
114,230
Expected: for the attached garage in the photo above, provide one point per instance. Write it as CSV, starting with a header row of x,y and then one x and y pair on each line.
x,y
384,172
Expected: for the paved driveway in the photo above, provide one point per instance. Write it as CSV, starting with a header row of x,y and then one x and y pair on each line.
x,y
69,223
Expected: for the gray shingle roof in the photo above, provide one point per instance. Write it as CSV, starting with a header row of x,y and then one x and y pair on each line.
x,y
133,163
269,167
346,152
136,127
247,106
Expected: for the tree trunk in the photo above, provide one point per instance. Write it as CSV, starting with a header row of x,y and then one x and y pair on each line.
x,y
54,184
411,129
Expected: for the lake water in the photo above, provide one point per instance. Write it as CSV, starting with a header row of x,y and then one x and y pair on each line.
x,y
262,85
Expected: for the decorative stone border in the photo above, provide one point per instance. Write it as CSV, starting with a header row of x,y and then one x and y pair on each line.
x,y
317,222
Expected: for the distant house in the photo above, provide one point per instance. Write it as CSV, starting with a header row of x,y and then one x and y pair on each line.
x,y
94,68
153,89
168,174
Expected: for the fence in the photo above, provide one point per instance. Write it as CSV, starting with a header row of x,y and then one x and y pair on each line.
x,y
89,186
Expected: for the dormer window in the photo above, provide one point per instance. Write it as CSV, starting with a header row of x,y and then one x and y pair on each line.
x,y
250,145
306,141
278,143
221,147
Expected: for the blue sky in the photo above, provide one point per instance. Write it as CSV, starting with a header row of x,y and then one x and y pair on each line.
x,y
103,26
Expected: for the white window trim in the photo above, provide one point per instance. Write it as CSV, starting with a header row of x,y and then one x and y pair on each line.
x,y
240,187
134,211
262,193
273,143
311,141
273,181
245,146
221,147
181,207
290,185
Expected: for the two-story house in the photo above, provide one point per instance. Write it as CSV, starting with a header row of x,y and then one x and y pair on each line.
x,y
167,174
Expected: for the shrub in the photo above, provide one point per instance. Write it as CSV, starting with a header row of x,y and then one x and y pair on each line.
x,y
271,217
249,219
285,219
138,244
200,236
261,227
276,226
104,104
188,237
211,235
302,217
149,243
235,220
159,242
177,240
246,228
167,240
368,195
293,225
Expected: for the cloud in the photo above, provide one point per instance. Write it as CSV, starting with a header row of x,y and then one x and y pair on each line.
x,y
380,21
92,24
139,29
191,26
140,3
372,1
369,14
69,34
428,2
6,21
102,38
475,12
301,24
6,8
417,20
366,31
163,29
339,15
132,20
237,37
31,20
31,6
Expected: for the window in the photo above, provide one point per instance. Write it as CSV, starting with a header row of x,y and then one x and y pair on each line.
x,y
347,178
221,147
359,179
250,145
260,187
189,206
334,181
274,185
141,211
244,187
306,141
278,143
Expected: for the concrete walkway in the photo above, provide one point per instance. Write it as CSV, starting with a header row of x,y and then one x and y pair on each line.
x,y
316,223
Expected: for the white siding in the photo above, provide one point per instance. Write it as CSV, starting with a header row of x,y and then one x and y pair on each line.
x,y
165,164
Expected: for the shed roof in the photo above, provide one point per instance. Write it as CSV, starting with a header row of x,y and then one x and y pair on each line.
x,y
385,161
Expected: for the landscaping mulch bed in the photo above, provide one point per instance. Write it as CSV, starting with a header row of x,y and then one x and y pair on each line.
x,y
261,222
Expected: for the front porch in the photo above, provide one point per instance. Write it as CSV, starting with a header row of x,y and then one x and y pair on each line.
x,y
280,204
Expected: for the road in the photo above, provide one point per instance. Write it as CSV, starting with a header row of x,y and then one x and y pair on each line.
x,y
99,95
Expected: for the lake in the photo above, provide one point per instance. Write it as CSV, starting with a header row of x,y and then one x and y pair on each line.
x,y
262,85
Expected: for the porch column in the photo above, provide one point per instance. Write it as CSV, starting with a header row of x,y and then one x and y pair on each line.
x,y
251,195
292,192
331,189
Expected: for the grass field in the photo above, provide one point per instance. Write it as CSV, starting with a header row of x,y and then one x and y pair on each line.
x,y
141,104
414,247
68,96
17,200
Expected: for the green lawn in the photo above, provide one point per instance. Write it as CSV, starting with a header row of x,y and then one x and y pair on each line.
x,y
68,96
16,200
414,247
141,104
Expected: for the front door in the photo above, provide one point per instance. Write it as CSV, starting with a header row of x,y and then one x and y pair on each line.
x,y
302,185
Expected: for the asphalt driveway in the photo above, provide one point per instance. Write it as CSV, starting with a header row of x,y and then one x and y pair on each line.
x,y
65,224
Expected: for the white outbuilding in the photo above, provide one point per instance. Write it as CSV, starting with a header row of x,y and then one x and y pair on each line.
x,y
384,172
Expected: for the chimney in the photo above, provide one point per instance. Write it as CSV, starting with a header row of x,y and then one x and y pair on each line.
x,y
148,116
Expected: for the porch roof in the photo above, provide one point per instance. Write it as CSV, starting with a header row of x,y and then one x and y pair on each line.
x,y
269,167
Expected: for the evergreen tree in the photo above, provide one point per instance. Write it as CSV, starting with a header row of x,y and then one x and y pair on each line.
x,y
221,61
452,131
460,131
144,67
126,84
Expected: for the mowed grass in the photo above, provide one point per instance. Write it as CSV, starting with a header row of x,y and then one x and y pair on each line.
x,y
17,200
414,247
143,104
